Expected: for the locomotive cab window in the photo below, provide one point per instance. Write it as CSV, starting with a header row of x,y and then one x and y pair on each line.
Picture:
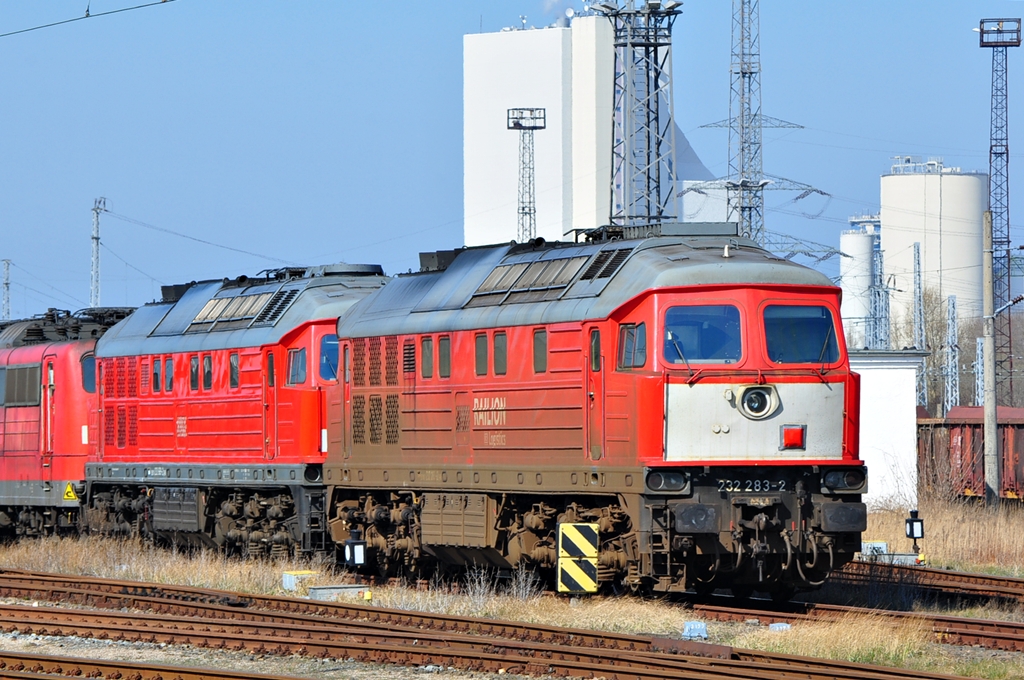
x,y
88,374
193,373
500,354
427,358
540,351
444,356
632,345
329,357
168,375
3,383
800,334
702,334
22,386
207,372
595,350
156,375
297,366
270,369
233,370
481,354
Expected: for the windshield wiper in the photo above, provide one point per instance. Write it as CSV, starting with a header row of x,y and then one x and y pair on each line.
x,y
824,346
679,351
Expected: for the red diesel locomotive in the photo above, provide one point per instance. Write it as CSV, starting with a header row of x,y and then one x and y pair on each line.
x,y
688,397
48,414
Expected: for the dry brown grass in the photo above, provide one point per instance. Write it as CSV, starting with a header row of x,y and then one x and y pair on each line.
x,y
959,535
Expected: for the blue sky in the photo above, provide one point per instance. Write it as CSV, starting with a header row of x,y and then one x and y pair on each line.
x,y
316,132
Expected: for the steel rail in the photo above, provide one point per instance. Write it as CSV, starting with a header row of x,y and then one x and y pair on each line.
x,y
36,666
953,582
417,648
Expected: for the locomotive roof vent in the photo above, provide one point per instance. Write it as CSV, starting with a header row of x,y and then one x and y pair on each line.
x,y
641,231
344,269
439,260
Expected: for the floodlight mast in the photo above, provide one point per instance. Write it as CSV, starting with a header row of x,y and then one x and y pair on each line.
x,y
997,35
643,131
526,121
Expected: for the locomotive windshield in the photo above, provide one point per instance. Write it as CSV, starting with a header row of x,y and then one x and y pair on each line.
x,y
702,334
800,334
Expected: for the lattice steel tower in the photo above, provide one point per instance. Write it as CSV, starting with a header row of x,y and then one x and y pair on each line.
x,y
526,121
643,134
998,34
7,290
98,206
952,364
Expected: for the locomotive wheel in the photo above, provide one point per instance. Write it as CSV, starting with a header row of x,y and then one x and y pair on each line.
x,y
782,594
742,592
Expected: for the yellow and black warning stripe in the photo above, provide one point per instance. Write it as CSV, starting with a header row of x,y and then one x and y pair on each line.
x,y
577,558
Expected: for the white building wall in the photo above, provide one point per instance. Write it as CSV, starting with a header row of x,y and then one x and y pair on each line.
x,y
888,425
703,203
943,211
506,70
593,66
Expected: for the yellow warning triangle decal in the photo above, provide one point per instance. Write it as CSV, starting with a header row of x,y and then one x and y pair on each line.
x,y
69,493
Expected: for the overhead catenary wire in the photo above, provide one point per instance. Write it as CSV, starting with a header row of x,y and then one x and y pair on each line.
x,y
67,297
129,264
164,230
87,16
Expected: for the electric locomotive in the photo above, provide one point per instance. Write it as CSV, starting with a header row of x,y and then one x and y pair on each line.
x,y
48,416
217,406
684,397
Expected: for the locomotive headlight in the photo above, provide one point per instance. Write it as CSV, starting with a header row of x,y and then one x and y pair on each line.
x,y
758,402
667,481
843,480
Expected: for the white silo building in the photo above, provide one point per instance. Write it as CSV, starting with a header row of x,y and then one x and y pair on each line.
x,y
856,276
942,209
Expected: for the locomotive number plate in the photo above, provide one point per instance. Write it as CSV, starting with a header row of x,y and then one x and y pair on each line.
x,y
750,485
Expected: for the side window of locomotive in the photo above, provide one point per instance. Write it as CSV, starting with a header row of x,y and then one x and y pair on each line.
x,y
329,357
348,367
156,374
702,334
296,366
481,354
427,358
233,370
23,386
595,350
540,351
800,334
168,375
270,369
444,356
207,372
193,373
88,374
632,345
500,354
3,384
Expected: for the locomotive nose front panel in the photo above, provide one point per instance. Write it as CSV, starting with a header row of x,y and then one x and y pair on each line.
x,y
780,421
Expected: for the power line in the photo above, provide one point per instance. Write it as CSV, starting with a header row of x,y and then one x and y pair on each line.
x,y
66,296
129,264
164,230
87,16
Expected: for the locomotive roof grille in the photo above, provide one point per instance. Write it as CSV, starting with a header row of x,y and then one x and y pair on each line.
x,y
543,279
228,312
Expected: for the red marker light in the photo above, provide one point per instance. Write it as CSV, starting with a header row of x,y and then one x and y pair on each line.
x,y
794,437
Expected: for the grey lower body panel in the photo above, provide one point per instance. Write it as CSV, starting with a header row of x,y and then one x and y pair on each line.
x,y
40,493
176,474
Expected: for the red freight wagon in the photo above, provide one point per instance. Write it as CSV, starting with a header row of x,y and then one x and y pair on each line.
x,y
47,409
215,411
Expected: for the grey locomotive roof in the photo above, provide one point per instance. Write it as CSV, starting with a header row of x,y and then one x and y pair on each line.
x,y
603,277
277,307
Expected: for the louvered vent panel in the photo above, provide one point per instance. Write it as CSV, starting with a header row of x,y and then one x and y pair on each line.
x,y
109,429
133,426
374,362
131,380
119,379
108,379
122,416
409,357
595,266
618,257
359,419
376,418
359,362
392,419
391,361
275,308
144,377
462,419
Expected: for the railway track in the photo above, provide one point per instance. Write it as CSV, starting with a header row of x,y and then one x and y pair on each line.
x,y
37,666
209,618
951,582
